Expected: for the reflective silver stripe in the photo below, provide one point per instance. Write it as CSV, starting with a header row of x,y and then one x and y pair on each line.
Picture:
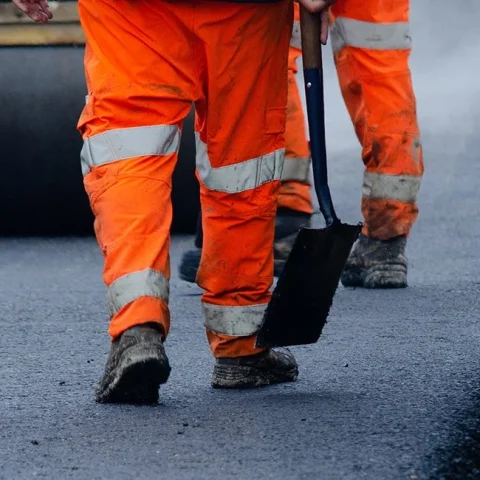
x,y
401,188
296,40
126,289
296,169
233,321
242,176
375,36
123,143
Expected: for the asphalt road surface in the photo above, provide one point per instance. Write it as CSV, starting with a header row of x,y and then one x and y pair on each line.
x,y
391,391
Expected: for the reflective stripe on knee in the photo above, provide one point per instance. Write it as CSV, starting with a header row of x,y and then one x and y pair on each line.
x,y
123,143
400,188
130,287
236,321
296,170
376,36
242,176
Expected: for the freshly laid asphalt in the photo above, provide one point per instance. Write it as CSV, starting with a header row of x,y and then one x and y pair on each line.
x,y
391,390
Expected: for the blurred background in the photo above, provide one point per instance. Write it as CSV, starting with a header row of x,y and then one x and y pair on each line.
x,y
43,90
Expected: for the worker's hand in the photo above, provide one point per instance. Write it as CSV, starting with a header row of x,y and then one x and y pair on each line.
x,y
315,6
36,9
322,6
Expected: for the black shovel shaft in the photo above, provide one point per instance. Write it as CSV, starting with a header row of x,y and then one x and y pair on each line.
x,y
313,75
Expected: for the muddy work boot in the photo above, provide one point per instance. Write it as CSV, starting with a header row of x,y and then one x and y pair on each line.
x,y
259,370
287,224
135,368
376,263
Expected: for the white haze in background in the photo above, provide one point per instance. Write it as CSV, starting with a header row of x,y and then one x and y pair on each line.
x,y
445,64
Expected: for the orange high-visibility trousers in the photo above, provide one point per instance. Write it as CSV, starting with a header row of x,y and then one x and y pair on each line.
x,y
371,45
146,62
295,192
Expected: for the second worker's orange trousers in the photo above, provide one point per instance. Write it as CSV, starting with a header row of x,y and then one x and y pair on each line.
x,y
371,45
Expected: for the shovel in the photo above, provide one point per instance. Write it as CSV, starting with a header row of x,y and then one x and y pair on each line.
x,y
302,298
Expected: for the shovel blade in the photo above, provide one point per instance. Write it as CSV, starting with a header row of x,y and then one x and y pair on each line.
x,y
302,298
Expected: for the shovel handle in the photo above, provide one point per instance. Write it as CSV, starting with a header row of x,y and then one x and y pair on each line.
x,y
310,25
310,31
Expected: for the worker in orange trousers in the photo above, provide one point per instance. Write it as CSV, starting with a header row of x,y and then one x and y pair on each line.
x,y
145,63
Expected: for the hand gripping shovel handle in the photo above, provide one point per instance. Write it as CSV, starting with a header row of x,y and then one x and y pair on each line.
x,y
310,24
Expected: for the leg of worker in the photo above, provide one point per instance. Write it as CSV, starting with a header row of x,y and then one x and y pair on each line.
x,y
294,192
294,201
371,45
240,153
131,130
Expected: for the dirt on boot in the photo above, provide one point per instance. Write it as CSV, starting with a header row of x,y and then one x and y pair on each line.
x,y
377,264
262,369
136,367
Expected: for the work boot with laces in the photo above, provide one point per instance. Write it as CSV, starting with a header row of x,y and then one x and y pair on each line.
x,y
136,367
287,224
376,263
265,368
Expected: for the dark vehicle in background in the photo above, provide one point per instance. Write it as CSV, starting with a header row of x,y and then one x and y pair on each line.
x,y
42,92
